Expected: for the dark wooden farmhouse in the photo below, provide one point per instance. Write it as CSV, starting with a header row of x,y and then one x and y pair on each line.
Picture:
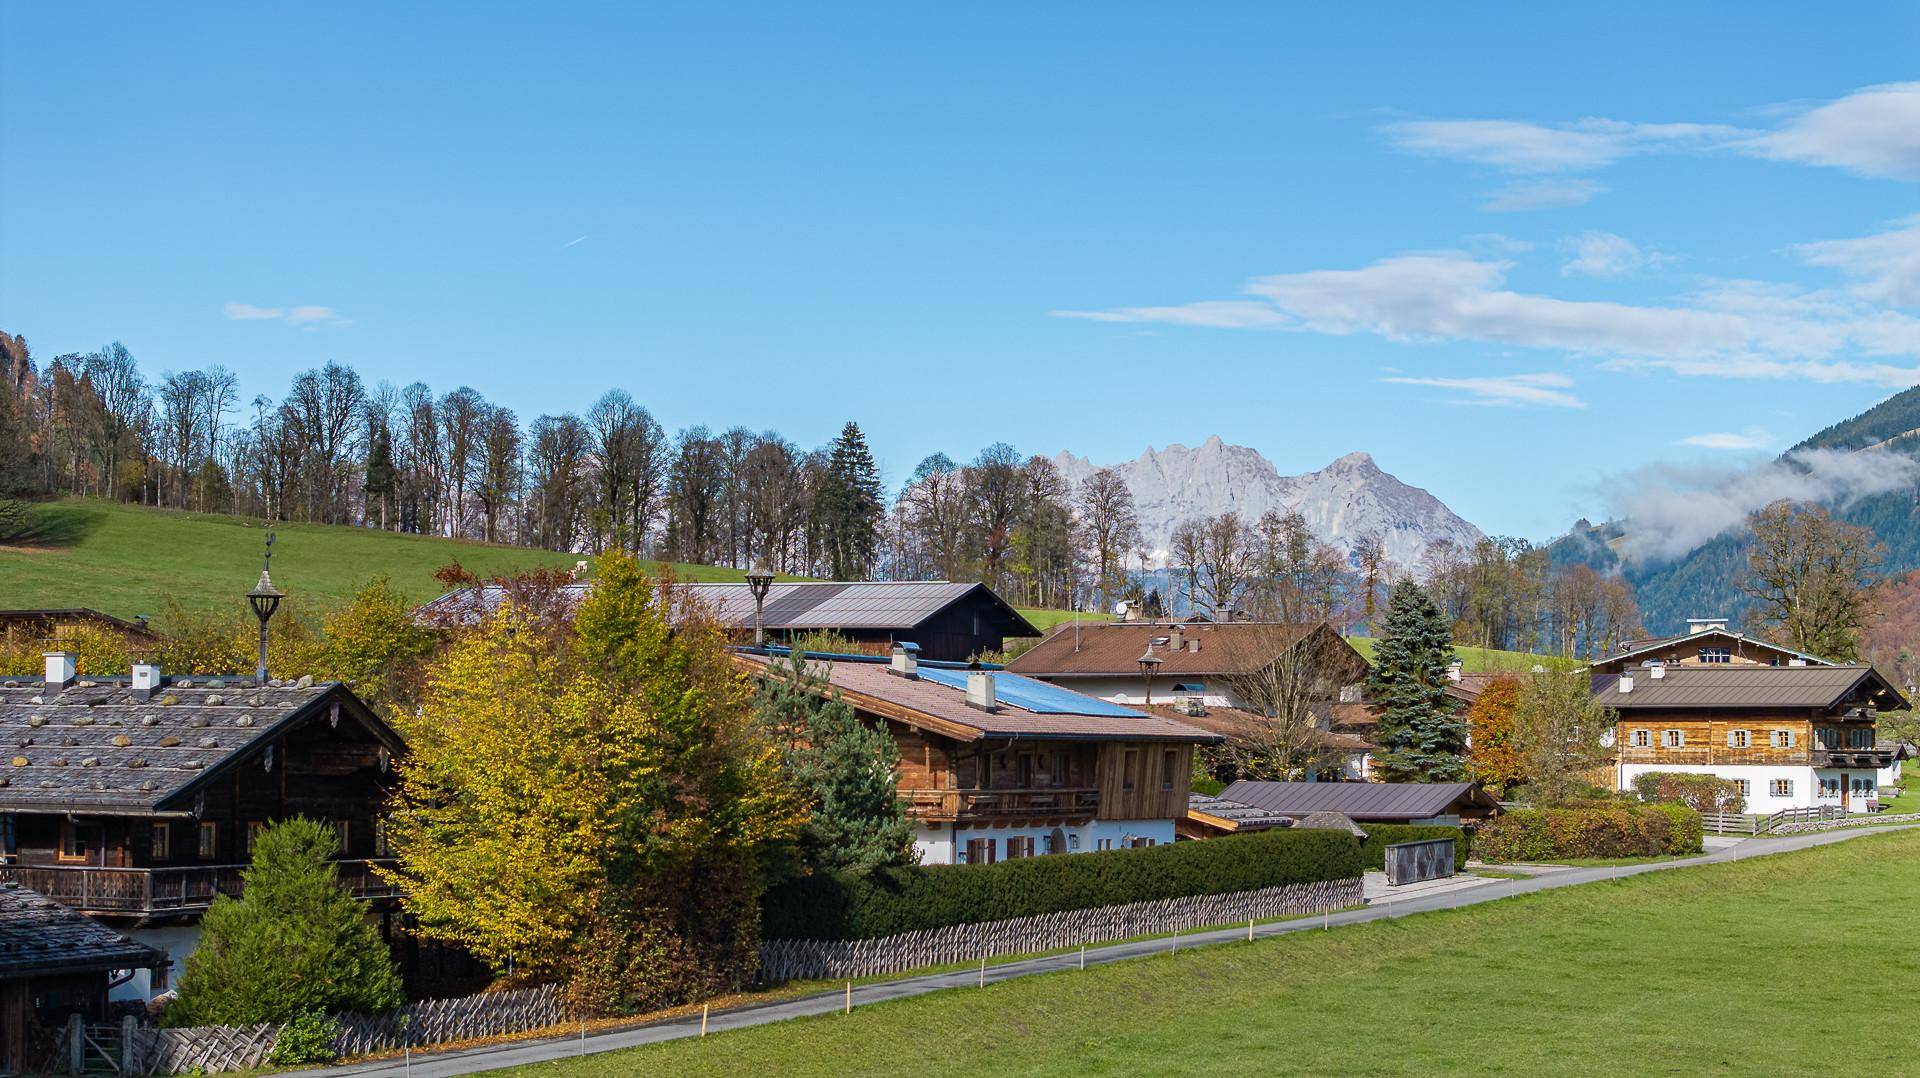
x,y
996,766
137,799
56,964
949,621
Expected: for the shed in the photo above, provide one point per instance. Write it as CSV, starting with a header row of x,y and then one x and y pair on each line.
x,y
1370,802
55,963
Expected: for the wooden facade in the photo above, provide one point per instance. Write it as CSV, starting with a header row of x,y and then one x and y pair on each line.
x,y
1755,738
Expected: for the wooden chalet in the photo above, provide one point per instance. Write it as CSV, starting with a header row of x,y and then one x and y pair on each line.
x,y
56,964
1791,736
1707,642
949,621
137,799
994,765
43,627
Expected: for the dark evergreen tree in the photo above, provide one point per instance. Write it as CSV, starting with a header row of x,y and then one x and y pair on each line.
x,y
297,943
381,476
844,767
1421,737
849,506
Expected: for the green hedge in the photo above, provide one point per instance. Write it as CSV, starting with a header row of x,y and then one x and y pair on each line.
x,y
1373,852
1701,793
897,900
1613,831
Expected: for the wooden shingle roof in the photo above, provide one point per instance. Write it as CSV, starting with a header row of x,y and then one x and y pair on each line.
x,y
39,935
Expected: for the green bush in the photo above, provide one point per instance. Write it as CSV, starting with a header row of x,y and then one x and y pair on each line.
x,y
1701,793
307,1038
1608,831
1373,852
891,901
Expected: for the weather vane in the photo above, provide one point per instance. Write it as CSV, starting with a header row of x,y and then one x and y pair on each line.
x,y
267,560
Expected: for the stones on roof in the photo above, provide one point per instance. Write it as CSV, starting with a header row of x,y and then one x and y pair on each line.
x,y
38,935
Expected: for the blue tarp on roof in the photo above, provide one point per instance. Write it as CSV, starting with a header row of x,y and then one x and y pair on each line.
x,y
1029,695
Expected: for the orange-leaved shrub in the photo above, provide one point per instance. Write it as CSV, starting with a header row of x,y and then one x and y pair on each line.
x,y
1597,831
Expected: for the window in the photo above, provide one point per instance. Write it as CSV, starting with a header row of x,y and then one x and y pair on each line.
x,y
381,847
254,827
1127,761
1716,655
979,851
1745,788
1826,737
1169,764
1781,787
1103,844
1863,786
1672,739
1859,737
1783,739
1739,739
209,840
342,833
1829,787
1058,761
1141,843
162,841
1641,739
9,844
73,842
1073,842
1047,844
1019,846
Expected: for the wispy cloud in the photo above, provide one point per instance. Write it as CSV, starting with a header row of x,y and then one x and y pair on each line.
x,y
305,316
1603,254
1527,195
1510,390
572,242
1726,440
1886,265
1581,146
1871,132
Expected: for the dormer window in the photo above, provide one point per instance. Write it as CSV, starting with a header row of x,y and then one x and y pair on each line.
x,y
1716,655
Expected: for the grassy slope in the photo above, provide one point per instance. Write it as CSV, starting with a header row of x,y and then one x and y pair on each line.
x,y
1672,972
125,559
1480,660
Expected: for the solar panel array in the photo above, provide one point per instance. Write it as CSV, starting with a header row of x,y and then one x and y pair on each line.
x,y
1030,695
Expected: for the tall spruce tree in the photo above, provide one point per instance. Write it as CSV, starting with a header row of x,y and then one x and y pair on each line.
x,y
1421,738
850,507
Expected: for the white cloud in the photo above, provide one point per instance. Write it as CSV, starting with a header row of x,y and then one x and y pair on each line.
x,y
1603,254
1548,390
306,316
1872,132
1519,146
1886,264
1527,195
1739,329
1726,440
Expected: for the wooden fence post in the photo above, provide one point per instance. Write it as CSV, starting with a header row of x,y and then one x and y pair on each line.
x,y
129,1033
76,1045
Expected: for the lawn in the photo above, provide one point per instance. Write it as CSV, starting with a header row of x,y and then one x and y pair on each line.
x,y
1045,620
127,559
1669,972
1482,660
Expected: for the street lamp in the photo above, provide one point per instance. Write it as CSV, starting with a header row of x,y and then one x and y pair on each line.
x,y
264,599
759,582
1149,662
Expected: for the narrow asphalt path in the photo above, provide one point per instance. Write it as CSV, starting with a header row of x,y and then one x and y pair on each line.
x,y
472,1060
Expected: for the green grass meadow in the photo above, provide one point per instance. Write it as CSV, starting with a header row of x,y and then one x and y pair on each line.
x,y
1482,660
1734,968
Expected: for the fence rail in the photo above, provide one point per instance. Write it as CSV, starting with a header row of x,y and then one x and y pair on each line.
x,y
782,960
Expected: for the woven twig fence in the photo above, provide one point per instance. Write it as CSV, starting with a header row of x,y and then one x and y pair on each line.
x,y
213,1049
782,960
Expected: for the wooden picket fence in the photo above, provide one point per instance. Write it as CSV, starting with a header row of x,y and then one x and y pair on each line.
x,y
213,1049
793,959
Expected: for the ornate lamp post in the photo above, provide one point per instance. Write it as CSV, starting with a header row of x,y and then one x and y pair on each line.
x,y
1149,662
264,599
759,582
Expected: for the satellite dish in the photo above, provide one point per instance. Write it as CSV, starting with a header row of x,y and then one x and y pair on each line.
x,y
1120,608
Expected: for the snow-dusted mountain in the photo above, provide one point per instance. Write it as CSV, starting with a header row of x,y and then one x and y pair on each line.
x,y
1347,499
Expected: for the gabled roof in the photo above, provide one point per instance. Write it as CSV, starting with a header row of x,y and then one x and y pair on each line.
x,y
96,748
936,702
1363,800
1113,649
1633,649
1225,815
1234,723
789,605
1749,686
39,935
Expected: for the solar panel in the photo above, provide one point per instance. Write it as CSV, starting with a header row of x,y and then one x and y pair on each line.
x,y
1035,696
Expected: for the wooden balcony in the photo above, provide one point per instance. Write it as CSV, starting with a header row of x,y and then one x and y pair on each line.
x,y
950,805
148,892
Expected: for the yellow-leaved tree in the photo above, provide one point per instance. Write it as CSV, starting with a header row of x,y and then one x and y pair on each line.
x,y
587,799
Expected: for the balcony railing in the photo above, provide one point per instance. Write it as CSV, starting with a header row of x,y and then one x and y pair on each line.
x,y
145,891
965,804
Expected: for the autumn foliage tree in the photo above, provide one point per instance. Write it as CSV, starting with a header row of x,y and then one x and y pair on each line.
x,y
587,799
1496,760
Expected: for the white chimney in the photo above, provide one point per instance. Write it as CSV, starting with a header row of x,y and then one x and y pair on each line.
x,y
62,668
1453,670
1796,662
980,690
1656,670
906,660
1701,625
1626,683
146,680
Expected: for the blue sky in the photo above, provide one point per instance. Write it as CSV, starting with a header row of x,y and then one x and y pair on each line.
x,y
1513,251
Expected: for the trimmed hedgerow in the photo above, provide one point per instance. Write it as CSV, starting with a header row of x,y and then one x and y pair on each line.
x,y
1373,852
894,900
1701,793
1609,831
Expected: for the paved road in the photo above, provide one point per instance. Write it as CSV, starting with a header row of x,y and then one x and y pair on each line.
x,y
469,1061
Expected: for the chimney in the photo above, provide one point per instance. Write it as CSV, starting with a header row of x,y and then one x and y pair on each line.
x,y
1656,670
1176,639
146,680
980,690
1453,670
1194,644
1701,625
1796,662
62,669
1626,683
906,661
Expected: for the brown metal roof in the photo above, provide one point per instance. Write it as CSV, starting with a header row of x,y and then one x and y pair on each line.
x,y
1363,800
943,709
1237,724
1114,648
1749,687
